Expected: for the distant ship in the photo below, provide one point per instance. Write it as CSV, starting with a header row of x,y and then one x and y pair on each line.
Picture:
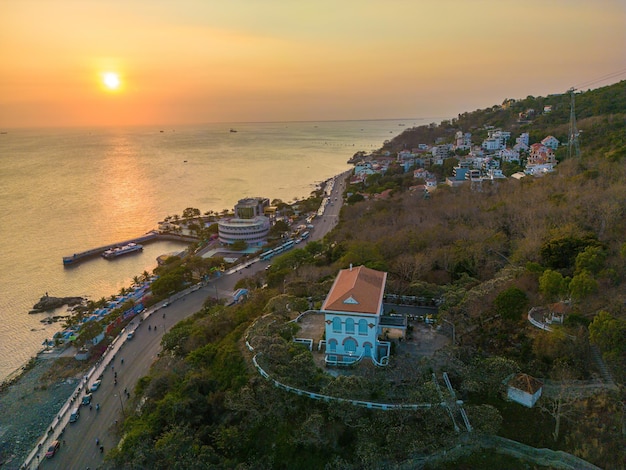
x,y
233,130
122,250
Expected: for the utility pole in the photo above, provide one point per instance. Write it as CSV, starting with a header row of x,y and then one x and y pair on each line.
x,y
573,147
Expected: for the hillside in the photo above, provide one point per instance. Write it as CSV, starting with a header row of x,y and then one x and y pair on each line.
x,y
486,255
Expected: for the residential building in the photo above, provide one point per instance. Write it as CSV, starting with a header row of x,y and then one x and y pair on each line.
x,y
441,151
509,155
551,142
494,174
541,155
352,313
463,141
496,140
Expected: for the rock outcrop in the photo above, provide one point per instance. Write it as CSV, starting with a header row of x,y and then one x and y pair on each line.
x,y
47,303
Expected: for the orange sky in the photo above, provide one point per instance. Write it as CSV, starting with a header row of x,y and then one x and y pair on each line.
x,y
195,61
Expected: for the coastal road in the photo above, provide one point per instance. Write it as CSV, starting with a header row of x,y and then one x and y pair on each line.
x,y
79,449
78,446
326,222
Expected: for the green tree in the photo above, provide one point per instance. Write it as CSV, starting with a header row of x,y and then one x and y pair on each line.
x,y
279,227
239,245
552,284
582,285
592,259
609,333
190,213
511,303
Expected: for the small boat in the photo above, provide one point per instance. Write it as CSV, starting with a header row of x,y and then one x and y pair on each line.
x,y
233,130
113,253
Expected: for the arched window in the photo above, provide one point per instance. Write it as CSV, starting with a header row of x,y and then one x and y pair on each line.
x,y
350,326
336,325
362,326
349,345
332,345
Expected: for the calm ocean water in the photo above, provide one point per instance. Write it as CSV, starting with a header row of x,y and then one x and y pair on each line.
x,y
67,190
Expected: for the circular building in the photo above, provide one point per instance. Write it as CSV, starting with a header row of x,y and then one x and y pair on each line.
x,y
253,231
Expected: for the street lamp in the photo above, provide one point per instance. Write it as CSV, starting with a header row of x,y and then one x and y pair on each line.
x,y
453,330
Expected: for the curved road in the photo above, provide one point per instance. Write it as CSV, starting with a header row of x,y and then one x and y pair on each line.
x,y
78,442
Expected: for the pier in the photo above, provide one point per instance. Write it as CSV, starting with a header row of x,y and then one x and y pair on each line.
x,y
148,237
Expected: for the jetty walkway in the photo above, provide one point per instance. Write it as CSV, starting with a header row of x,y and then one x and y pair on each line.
x,y
148,237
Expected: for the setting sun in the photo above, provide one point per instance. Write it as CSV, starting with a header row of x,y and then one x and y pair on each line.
x,y
111,80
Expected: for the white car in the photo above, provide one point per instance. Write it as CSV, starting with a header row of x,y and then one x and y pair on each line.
x,y
95,385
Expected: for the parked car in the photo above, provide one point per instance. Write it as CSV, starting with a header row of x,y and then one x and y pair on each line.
x,y
166,304
95,385
75,415
53,449
131,335
86,399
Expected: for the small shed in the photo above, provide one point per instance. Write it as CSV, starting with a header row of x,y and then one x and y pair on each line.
x,y
524,389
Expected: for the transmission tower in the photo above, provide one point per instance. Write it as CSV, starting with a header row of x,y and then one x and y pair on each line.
x,y
573,147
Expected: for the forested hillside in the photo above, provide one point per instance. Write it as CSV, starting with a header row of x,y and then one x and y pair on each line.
x,y
486,254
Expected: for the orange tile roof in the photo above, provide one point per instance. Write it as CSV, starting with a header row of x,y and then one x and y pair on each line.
x,y
525,383
356,290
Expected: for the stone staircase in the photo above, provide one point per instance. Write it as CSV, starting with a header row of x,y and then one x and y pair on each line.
x,y
604,371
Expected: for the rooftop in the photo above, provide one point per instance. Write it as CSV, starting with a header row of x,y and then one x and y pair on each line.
x,y
358,290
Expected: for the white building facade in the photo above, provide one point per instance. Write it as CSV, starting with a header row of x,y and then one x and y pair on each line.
x,y
352,312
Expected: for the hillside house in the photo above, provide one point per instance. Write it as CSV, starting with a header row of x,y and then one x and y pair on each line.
x,y
524,389
440,152
496,140
509,155
352,313
463,141
541,155
551,142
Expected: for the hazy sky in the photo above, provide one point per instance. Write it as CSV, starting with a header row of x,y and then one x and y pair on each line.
x,y
195,61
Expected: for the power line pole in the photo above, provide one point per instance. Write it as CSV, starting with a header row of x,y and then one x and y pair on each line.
x,y
573,147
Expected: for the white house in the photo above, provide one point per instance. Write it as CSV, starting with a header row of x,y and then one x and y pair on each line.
x,y
440,151
523,139
496,140
551,142
494,174
352,312
524,389
463,141
509,155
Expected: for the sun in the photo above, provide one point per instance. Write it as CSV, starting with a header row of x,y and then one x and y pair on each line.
x,y
111,80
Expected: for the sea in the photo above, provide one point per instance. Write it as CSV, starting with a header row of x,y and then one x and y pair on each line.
x,y
67,190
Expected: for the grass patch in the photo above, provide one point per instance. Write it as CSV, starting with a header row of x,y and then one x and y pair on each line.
x,y
63,368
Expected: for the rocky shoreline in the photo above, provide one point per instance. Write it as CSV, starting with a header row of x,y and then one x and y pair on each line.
x,y
27,407
48,303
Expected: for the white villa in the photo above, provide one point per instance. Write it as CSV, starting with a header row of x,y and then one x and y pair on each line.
x,y
352,313
550,142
